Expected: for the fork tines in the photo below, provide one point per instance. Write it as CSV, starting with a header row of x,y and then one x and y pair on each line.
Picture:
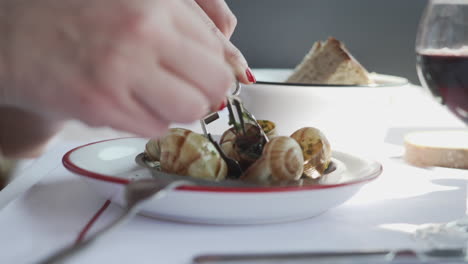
x,y
207,120
243,115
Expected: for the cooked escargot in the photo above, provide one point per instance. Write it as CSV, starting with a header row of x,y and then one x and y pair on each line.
x,y
316,150
268,127
184,152
153,150
281,162
244,148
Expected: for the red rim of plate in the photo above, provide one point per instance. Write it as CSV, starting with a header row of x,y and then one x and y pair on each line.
x,y
68,164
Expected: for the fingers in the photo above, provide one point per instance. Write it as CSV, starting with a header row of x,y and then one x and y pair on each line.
x,y
219,12
145,125
114,106
177,101
197,66
125,114
179,81
235,58
193,26
232,54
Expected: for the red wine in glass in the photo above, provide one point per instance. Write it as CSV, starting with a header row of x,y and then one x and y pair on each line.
x,y
442,64
445,73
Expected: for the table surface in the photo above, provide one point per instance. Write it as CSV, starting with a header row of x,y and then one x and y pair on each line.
x,y
45,207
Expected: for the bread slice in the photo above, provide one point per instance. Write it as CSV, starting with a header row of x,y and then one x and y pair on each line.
x,y
437,148
329,63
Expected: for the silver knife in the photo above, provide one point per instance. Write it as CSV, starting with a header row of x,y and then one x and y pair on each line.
x,y
404,256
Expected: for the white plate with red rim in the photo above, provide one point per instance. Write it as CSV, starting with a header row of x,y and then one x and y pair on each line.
x,y
109,165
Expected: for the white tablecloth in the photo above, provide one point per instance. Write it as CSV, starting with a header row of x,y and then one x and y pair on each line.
x,y
45,208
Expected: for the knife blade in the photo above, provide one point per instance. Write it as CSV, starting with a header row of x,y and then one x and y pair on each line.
x,y
402,256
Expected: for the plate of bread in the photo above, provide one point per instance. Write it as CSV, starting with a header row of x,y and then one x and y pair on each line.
x,y
328,88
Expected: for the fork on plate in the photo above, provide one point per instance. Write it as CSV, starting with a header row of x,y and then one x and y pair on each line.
x,y
238,119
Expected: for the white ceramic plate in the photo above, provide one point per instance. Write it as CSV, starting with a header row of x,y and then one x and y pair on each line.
x,y
108,165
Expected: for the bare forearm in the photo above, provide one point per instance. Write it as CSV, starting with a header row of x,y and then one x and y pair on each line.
x,y
6,84
3,43
24,134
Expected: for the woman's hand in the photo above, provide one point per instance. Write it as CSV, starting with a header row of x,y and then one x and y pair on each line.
x,y
220,14
133,65
222,22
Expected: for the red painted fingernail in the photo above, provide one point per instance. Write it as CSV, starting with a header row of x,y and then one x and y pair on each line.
x,y
223,105
250,75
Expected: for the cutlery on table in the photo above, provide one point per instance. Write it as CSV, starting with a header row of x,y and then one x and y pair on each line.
x,y
402,256
136,193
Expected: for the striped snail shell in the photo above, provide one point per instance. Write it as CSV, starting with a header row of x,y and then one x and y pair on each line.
x,y
316,150
184,152
153,150
281,161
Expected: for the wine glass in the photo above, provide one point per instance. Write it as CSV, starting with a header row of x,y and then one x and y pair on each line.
x,y
442,53
442,66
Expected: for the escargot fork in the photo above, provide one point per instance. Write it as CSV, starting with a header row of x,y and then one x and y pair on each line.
x,y
243,115
234,168
207,120
211,117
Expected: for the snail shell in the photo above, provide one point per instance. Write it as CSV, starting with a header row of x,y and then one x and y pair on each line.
x,y
316,150
184,152
268,127
281,161
153,150
245,149
226,143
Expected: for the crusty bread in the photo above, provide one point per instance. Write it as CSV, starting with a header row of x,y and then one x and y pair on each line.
x,y
437,148
329,63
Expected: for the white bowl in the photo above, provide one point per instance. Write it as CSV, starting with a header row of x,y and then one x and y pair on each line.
x,y
342,112
109,165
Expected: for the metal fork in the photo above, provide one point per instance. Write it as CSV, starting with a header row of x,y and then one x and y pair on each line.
x,y
215,116
234,169
136,193
242,113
